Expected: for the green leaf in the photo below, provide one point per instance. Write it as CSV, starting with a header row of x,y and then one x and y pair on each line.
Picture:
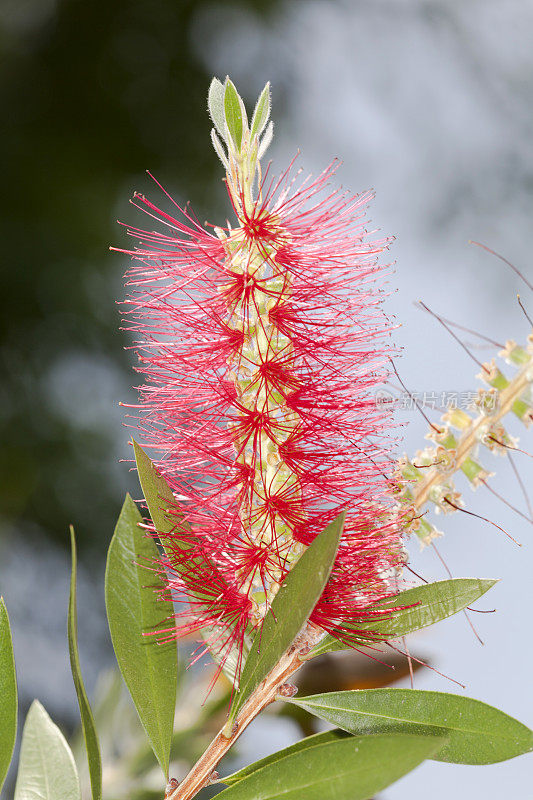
x,y
477,733
46,767
215,104
159,498
261,112
167,518
8,694
304,744
87,720
149,669
352,768
290,610
233,113
266,140
428,604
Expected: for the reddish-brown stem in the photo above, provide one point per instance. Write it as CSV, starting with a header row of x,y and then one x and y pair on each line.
x,y
266,693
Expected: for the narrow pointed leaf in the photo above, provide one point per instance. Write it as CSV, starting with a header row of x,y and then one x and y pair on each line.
x,y
266,140
425,605
166,516
46,767
134,611
8,694
168,523
477,733
159,497
291,607
228,656
353,768
219,150
233,113
88,727
261,112
304,744
215,104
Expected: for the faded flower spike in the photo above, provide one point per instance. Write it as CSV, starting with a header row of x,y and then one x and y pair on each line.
x,y
428,480
262,344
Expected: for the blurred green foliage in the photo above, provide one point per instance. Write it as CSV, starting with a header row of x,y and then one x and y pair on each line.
x,y
92,93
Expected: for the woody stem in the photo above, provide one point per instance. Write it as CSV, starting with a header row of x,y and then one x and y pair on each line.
x,y
517,386
266,693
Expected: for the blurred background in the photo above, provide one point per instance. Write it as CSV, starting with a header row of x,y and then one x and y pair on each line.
x,y
428,102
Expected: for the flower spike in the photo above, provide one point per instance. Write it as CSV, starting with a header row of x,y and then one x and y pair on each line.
x,y
262,345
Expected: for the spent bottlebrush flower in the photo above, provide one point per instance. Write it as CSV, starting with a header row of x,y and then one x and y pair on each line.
x,y
262,344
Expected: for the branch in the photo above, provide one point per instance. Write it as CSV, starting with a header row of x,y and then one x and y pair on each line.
x,y
266,693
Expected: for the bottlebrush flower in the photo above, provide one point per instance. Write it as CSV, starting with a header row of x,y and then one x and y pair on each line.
x,y
262,345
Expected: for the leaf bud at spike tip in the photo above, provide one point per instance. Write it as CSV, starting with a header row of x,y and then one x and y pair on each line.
x,y
233,114
261,112
266,140
219,149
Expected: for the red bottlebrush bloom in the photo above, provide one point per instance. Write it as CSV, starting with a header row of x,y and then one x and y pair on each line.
x,y
262,346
